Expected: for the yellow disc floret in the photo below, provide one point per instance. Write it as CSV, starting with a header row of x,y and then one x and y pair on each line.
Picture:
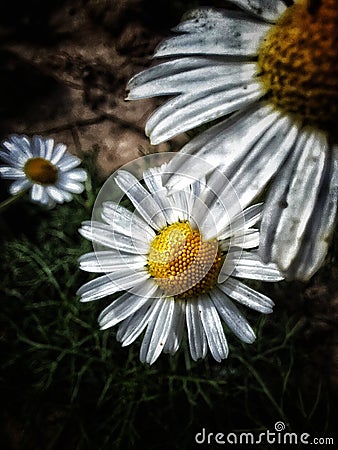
x,y
41,171
183,264
298,62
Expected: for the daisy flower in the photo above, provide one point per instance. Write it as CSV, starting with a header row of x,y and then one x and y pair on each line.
x,y
48,171
177,260
271,69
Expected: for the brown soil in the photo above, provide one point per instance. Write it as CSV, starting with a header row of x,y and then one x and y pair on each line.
x,y
64,69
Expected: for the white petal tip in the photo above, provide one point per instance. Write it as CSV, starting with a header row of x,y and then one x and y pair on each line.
x,y
153,141
105,327
249,339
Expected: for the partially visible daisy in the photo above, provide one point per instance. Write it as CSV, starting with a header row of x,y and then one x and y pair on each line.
x,y
274,69
48,171
177,259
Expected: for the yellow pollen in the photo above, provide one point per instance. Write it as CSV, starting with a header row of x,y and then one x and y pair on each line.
x,y
183,264
41,171
298,62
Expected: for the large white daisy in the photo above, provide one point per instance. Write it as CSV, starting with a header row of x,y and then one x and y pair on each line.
x,y
48,171
272,70
178,259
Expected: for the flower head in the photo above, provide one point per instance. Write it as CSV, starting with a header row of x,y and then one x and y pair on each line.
x,y
274,69
47,170
178,259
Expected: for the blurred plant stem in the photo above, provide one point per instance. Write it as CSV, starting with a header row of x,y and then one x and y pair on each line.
x,y
9,201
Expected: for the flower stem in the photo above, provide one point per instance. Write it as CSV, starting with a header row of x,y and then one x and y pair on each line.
x,y
9,201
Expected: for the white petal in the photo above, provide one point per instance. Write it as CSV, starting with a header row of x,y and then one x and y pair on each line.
x,y
320,227
251,216
109,261
246,296
196,335
55,194
67,196
11,173
249,239
221,208
263,161
197,187
227,142
182,201
126,305
19,186
157,332
103,234
49,148
36,193
266,9
126,222
213,328
210,71
59,151
47,200
77,175
187,111
18,146
58,195
194,195
141,199
292,199
135,85
176,330
69,185
139,84
109,284
38,146
153,179
248,265
113,209
250,176
232,316
68,162
186,203
133,326
42,147
215,32
243,221
16,159
202,219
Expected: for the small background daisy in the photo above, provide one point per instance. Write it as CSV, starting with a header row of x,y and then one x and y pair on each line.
x,y
48,171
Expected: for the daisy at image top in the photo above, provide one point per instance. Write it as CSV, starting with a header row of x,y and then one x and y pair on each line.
x,y
177,260
48,171
271,68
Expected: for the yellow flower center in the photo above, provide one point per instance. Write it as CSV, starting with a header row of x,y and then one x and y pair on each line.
x,y
298,62
183,264
41,171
